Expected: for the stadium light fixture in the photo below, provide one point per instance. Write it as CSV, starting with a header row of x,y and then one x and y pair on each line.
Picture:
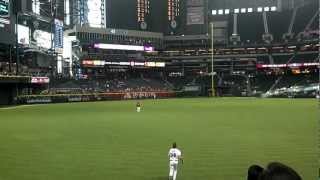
x,y
227,11
266,9
236,11
220,11
273,8
250,10
260,9
243,10
214,12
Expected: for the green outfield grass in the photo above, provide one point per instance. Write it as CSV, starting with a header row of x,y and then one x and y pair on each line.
x,y
219,139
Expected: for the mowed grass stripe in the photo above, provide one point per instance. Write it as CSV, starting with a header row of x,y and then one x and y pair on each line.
x,y
220,138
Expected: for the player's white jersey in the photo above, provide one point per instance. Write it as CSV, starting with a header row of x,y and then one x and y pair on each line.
x,y
174,155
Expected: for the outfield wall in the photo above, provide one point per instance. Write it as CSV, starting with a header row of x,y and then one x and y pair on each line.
x,y
64,98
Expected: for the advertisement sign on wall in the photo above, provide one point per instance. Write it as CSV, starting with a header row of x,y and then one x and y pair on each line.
x,y
4,8
43,39
101,63
40,80
94,13
58,34
23,35
124,47
292,65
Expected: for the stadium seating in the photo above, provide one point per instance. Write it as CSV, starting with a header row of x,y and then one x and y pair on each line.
x,y
70,86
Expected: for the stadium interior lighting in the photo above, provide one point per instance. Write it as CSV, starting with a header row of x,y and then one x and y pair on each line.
x,y
260,9
243,10
220,12
214,12
227,11
273,8
236,11
266,9
250,10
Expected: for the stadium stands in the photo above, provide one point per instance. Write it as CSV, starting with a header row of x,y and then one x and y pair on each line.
x,y
247,68
102,85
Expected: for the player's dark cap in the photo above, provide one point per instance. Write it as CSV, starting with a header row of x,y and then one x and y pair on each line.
x,y
174,145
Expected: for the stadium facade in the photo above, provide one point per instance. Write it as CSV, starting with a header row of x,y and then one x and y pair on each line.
x,y
260,47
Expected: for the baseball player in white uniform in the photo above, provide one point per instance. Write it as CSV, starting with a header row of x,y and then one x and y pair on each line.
x,y
138,105
175,156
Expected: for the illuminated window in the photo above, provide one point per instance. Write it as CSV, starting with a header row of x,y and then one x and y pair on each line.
x,y
227,11
236,11
250,10
243,10
260,9
266,9
214,12
220,12
273,8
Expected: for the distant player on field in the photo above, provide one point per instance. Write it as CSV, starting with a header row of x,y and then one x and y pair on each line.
x,y
174,157
138,106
